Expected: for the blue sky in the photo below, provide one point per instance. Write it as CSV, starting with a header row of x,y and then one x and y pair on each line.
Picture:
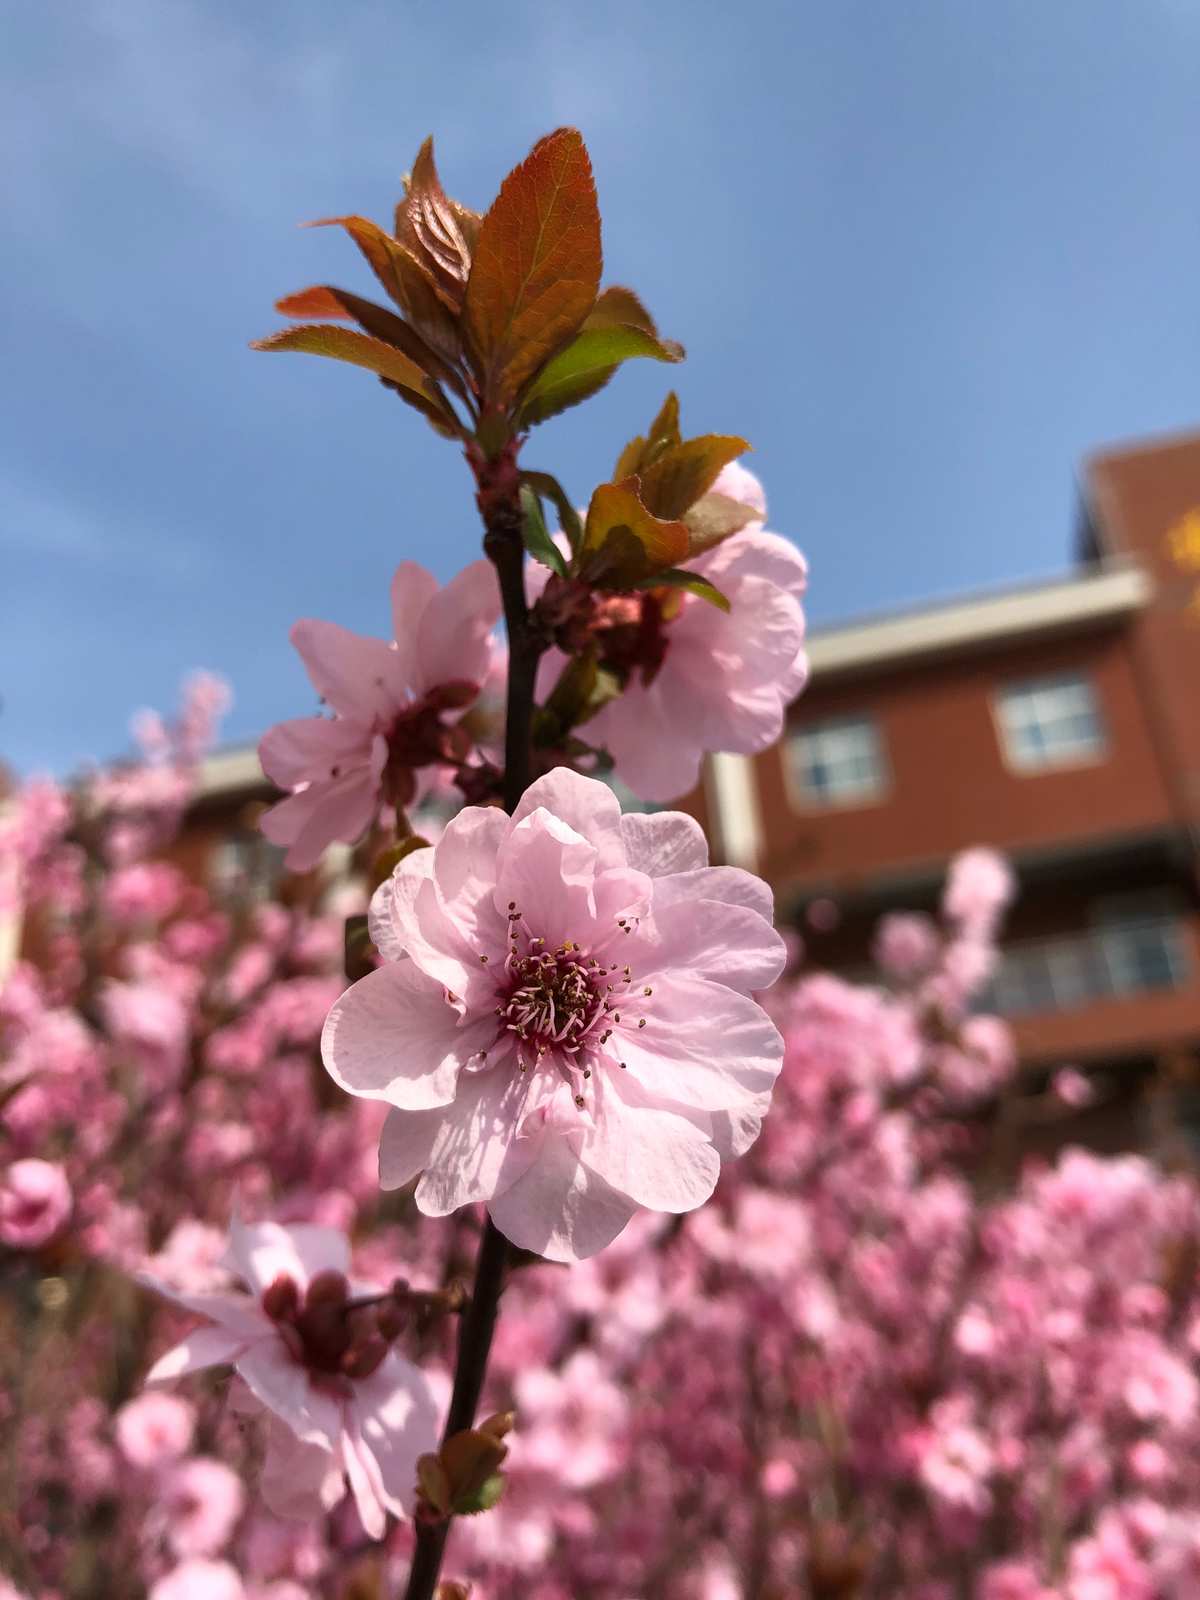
x,y
923,253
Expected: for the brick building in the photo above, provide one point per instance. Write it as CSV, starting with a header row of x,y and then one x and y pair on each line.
x,y
1058,723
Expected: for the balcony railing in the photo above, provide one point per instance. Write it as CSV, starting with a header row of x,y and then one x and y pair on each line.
x,y
1112,960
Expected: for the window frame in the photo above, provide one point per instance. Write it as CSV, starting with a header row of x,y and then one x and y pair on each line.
x,y
805,799
1065,761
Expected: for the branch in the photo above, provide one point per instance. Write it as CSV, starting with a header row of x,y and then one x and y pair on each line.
x,y
500,508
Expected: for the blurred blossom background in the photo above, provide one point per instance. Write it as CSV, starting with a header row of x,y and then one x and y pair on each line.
x,y
937,1336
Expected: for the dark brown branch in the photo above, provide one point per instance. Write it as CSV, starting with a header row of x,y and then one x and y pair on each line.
x,y
499,505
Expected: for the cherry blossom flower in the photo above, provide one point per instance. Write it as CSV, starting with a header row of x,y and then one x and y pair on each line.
x,y
154,1428
35,1202
713,680
574,1423
563,1023
387,701
202,1501
323,1367
199,1579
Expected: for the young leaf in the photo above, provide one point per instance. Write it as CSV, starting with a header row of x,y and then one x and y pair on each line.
x,y
390,364
623,542
548,486
343,344
428,223
482,1499
664,433
406,281
586,365
323,300
536,535
675,480
583,688
680,578
713,518
617,306
537,262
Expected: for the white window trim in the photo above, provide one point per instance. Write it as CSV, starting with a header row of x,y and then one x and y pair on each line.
x,y
805,801
1066,762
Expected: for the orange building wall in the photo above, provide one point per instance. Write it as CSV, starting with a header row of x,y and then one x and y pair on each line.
x,y
950,785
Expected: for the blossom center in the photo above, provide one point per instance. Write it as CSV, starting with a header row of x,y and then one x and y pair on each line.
x,y
324,1330
559,1001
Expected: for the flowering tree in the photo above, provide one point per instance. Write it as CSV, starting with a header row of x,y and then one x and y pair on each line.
x,y
865,1368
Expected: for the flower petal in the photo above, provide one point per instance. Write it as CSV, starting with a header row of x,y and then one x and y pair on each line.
x,y
584,804
310,748
454,635
548,871
663,842
654,1157
390,914
360,677
283,1387
394,1415
729,944
394,1036
260,1252
703,1045
560,1208
732,886
203,1347
412,589
476,1150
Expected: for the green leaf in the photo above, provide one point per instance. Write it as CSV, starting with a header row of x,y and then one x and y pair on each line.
x,y
676,479
482,1499
617,306
586,365
680,578
536,267
548,486
583,688
537,538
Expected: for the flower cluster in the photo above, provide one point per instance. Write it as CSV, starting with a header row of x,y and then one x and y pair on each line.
x,y
850,1368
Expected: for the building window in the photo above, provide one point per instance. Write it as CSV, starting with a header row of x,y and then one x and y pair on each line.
x,y
837,763
1121,956
1050,722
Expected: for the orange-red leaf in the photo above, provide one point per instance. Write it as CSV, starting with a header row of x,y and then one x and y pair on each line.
x,y
675,480
623,543
323,300
360,350
537,264
428,222
407,282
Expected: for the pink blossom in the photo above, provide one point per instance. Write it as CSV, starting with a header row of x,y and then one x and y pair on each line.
x,y
563,1023
199,1580
154,1428
574,1422
202,1501
347,1401
708,679
906,945
35,1202
726,678
978,889
382,696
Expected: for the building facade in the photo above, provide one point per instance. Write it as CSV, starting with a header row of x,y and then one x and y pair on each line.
x,y
1058,723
